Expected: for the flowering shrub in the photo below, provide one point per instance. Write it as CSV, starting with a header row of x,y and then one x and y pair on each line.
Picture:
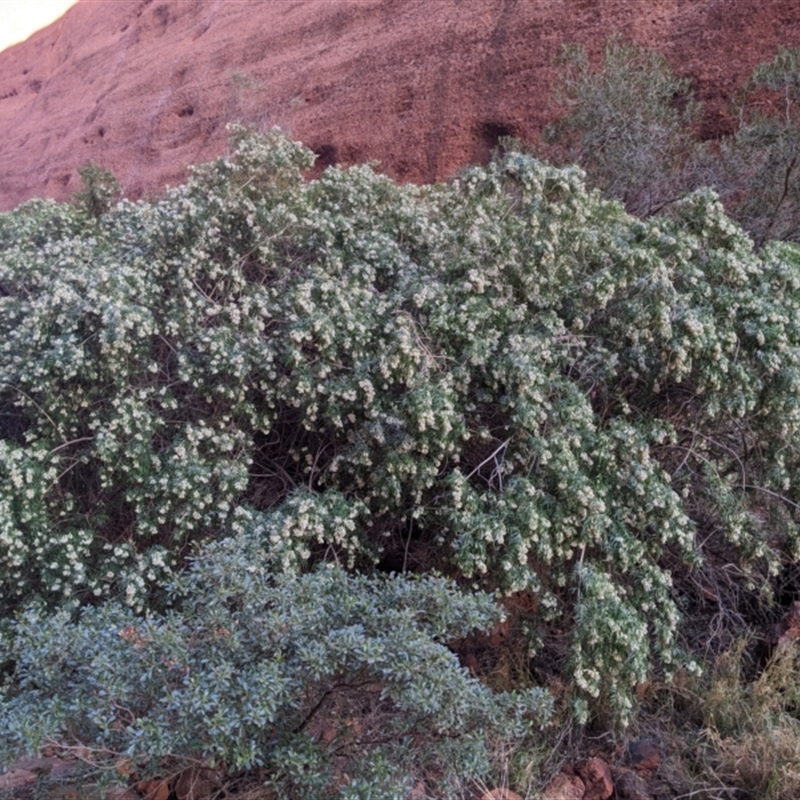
x,y
544,392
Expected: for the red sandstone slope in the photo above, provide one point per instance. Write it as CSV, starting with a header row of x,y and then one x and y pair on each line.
x,y
145,87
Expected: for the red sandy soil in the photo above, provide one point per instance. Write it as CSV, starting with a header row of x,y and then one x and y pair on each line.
x,y
145,87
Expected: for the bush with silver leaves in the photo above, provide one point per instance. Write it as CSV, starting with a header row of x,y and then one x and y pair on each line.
x,y
321,680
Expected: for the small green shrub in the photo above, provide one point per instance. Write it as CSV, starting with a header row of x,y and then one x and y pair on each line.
x,y
633,125
758,172
628,123
100,190
321,680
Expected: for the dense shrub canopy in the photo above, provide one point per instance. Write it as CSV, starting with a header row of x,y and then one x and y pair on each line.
x,y
506,378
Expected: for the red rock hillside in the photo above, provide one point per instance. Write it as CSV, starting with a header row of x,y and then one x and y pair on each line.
x,y
145,87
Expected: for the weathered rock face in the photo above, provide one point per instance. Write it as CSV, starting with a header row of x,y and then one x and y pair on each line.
x,y
145,87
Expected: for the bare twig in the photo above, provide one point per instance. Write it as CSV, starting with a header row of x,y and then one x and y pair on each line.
x,y
492,456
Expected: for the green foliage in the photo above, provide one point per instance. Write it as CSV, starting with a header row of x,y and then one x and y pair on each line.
x,y
759,169
309,677
628,124
632,124
100,189
509,372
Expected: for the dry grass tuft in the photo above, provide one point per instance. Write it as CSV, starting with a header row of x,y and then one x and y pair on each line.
x,y
752,728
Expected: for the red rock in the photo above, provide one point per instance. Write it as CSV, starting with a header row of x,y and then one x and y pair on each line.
x,y
40,764
630,786
145,87
644,755
596,775
155,789
195,784
28,770
16,779
787,629
564,787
